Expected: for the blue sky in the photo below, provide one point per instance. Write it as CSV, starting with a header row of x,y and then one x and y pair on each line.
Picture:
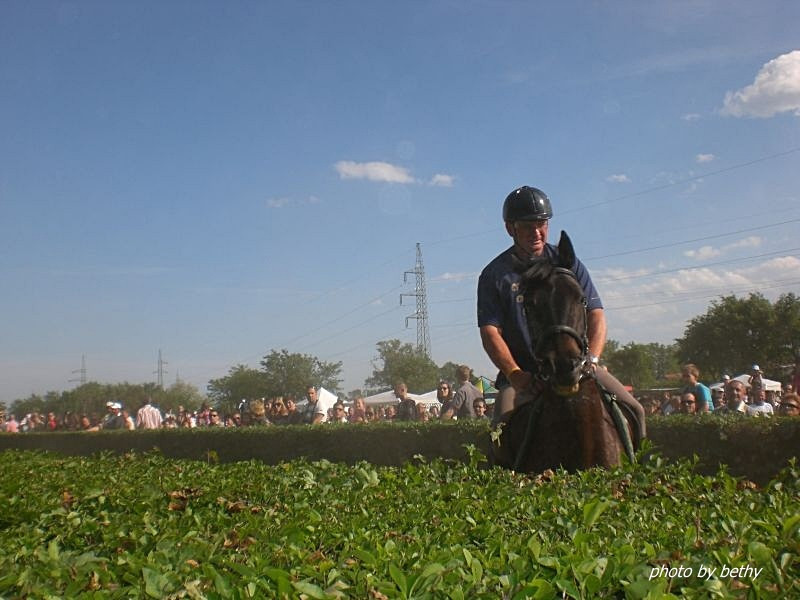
x,y
219,179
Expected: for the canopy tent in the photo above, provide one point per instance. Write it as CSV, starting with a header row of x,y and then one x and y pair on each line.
x,y
769,384
388,397
486,386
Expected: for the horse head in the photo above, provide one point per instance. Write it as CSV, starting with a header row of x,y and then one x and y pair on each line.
x,y
555,311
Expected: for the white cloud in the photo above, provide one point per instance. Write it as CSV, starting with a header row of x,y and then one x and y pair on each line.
x,y
442,180
776,89
286,201
691,117
656,307
621,178
277,202
704,158
703,253
455,277
749,242
373,171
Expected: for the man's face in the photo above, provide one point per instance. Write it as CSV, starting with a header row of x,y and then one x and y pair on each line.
x,y
737,393
688,404
312,395
529,236
480,408
759,395
401,390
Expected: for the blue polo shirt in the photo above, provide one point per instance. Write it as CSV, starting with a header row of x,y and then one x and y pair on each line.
x,y
500,303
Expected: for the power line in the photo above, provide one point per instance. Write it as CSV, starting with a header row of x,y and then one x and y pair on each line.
x,y
673,300
684,181
697,267
702,239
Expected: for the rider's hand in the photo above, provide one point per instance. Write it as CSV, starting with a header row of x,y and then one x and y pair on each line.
x,y
520,380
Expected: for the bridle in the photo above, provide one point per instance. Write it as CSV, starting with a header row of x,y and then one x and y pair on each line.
x,y
545,366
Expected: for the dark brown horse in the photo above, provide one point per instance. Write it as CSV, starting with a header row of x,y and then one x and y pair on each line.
x,y
566,419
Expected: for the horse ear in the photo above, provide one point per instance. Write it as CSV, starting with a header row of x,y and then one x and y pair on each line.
x,y
566,253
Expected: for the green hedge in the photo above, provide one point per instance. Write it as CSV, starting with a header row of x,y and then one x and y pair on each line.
x,y
755,448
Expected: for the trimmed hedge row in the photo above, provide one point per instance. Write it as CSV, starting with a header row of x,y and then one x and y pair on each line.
x,y
754,448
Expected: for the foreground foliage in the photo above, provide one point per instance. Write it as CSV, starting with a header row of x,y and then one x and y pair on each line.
x,y
146,526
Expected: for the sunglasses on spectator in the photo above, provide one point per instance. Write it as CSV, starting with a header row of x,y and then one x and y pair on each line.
x,y
789,405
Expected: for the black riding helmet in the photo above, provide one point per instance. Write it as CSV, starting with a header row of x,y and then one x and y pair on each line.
x,y
527,204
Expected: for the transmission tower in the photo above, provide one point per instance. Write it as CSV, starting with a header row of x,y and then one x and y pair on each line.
x,y
421,315
161,370
82,371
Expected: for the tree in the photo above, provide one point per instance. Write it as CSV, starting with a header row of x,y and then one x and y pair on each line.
x,y
403,362
736,332
241,382
447,372
178,394
287,373
632,364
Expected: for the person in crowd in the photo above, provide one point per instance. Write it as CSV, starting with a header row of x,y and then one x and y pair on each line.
x,y
479,408
85,424
790,405
690,375
688,404
236,419
202,417
461,406
314,412
668,406
339,414
113,417
170,422
187,421
759,407
127,420
406,408
293,417
11,425
390,413
444,394
214,419
718,398
501,319
736,394
358,412
422,416
756,377
369,415
148,416
51,424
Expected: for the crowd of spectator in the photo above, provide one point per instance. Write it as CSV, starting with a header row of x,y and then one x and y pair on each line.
x,y
460,401
463,402
732,396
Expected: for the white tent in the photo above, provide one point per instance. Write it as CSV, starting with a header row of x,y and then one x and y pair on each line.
x,y
769,384
388,397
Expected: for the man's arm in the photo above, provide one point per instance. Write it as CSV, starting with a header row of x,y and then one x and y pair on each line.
x,y
596,331
501,356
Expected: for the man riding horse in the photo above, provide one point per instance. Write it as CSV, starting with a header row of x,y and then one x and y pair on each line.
x,y
501,315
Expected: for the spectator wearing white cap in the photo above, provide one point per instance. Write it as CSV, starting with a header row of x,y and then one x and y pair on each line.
x,y
113,418
756,379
